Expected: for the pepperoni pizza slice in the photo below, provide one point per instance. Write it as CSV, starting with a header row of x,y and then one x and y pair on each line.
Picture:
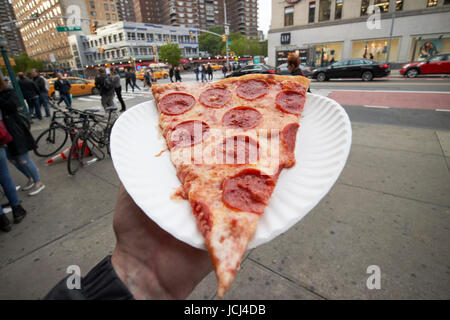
x,y
229,141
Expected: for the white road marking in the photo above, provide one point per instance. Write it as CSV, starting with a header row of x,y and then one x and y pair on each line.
x,y
443,110
378,107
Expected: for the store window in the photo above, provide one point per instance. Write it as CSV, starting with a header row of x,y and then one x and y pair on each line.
x,y
338,9
432,3
383,5
423,49
312,11
375,49
327,53
288,16
324,10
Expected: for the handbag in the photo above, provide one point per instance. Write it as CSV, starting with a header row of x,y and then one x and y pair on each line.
x,y
5,137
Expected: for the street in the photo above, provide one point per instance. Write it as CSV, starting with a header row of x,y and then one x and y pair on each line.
x,y
389,208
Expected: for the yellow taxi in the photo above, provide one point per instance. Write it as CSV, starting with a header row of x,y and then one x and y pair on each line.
x,y
160,73
78,86
216,67
140,75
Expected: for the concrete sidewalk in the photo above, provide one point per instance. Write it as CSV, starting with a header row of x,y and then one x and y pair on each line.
x,y
390,208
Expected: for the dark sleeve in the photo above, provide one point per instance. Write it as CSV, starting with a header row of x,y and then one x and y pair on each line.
x,y
36,88
68,85
56,85
10,105
101,283
40,83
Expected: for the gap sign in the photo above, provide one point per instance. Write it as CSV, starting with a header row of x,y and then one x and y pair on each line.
x,y
66,29
285,38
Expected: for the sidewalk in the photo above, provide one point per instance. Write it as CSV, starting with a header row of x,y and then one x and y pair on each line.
x,y
390,208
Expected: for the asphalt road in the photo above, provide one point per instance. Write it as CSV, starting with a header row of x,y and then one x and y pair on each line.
x,y
401,117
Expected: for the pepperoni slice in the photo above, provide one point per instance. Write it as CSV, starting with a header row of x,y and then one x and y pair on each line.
x,y
290,102
252,89
239,150
176,103
188,133
289,135
241,118
215,97
293,86
249,190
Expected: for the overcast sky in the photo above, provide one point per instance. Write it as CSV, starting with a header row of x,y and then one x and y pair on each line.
x,y
264,15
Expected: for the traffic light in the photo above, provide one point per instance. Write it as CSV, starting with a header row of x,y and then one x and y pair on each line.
x,y
101,50
154,49
191,34
224,38
93,28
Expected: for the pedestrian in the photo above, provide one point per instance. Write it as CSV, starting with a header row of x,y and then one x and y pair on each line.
x,y
224,70
196,71
293,64
30,93
43,86
147,79
177,74
210,72
203,72
128,80
133,80
118,88
22,140
104,84
171,73
146,262
63,86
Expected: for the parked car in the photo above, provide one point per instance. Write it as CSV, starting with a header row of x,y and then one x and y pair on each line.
x,y
254,68
437,64
283,69
78,86
352,68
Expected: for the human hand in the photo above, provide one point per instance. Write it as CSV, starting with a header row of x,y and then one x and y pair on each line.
x,y
150,262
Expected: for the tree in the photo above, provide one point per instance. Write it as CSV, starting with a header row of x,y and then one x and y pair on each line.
x,y
24,63
170,53
210,42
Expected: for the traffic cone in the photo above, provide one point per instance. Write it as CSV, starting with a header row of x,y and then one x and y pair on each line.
x,y
65,154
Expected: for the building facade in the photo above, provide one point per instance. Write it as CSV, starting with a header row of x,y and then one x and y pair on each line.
x,y
322,30
10,32
243,16
103,12
123,41
125,10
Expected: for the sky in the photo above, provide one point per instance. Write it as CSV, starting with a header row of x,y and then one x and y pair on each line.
x,y
264,15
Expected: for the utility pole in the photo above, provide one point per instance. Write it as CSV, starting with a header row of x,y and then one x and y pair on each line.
x,y
226,29
392,31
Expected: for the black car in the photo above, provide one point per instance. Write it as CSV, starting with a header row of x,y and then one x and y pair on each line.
x,y
353,68
283,69
254,68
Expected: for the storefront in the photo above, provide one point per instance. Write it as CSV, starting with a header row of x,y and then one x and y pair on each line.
x,y
327,53
375,49
424,47
282,55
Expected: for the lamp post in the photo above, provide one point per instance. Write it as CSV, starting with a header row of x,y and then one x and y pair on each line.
x,y
12,76
390,35
226,29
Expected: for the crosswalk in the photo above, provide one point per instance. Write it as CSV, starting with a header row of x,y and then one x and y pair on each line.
x,y
126,96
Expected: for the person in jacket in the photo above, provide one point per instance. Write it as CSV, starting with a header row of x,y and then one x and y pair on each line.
x,y
147,78
118,88
224,71
6,181
42,84
31,95
202,72
171,73
177,74
63,86
128,80
196,71
133,80
293,64
22,141
104,83
133,272
210,72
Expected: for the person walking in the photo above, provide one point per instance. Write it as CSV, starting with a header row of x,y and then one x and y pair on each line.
x,y
133,80
63,86
118,88
30,92
177,74
128,80
210,72
171,73
203,73
22,140
224,71
104,83
196,71
43,87
147,79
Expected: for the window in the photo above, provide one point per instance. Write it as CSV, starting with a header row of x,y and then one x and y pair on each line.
x,y
107,16
93,13
340,63
324,10
432,3
113,16
112,7
356,62
288,16
438,58
338,9
106,7
312,11
383,5
92,4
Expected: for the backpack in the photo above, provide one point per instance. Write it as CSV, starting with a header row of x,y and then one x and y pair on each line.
x,y
108,84
47,85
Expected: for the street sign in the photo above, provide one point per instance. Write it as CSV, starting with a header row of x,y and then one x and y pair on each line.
x,y
227,30
67,29
229,43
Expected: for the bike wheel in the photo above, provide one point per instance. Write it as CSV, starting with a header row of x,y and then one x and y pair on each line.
x,y
75,159
50,141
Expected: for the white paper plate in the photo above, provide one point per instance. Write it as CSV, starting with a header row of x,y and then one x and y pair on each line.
x,y
322,147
